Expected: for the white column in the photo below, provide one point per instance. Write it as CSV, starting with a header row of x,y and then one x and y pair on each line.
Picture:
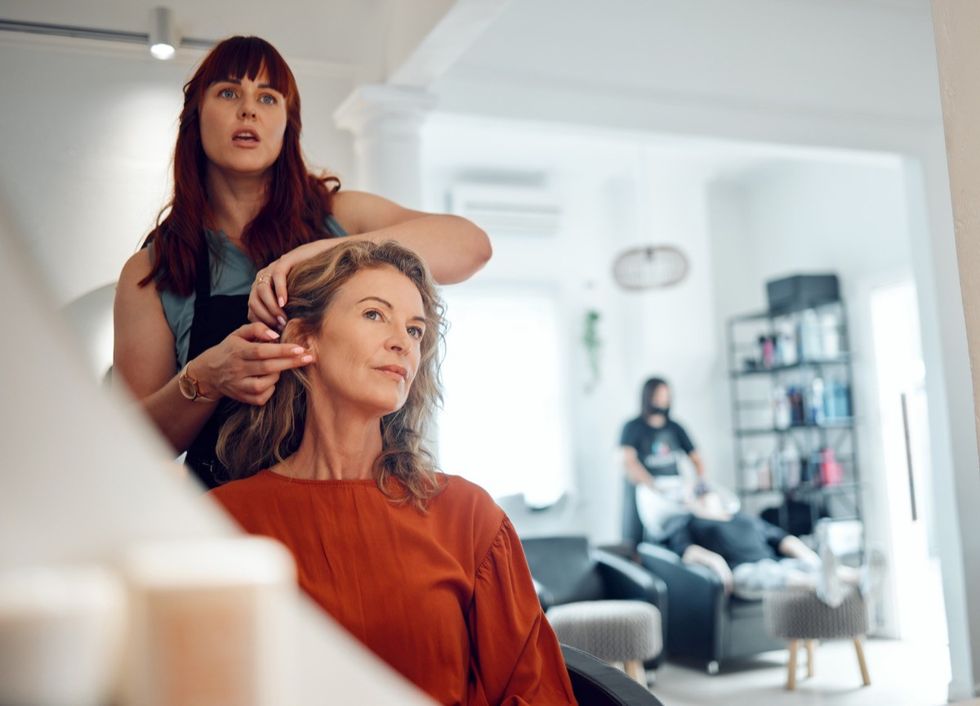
x,y
386,122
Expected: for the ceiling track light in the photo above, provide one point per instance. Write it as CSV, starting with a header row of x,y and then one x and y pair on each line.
x,y
163,36
161,33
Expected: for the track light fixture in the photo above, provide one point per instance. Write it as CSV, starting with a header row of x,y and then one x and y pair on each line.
x,y
163,37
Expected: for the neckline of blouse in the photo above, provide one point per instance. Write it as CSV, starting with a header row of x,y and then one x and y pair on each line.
x,y
318,481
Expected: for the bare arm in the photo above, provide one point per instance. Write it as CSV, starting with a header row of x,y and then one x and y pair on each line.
x,y
794,547
695,554
452,247
143,356
635,472
698,463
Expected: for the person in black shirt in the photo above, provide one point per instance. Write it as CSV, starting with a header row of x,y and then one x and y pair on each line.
x,y
651,445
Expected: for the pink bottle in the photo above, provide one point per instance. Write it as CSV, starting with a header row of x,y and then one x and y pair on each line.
x,y
831,472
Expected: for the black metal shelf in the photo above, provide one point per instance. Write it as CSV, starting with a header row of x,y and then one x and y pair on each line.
x,y
836,424
749,400
803,489
800,365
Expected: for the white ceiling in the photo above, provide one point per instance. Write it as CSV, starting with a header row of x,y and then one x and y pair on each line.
x,y
869,55
701,47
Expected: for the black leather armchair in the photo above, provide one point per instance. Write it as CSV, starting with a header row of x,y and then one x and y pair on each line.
x,y
704,623
567,569
595,683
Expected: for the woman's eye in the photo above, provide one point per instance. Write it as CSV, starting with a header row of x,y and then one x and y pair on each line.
x,y
372,314
268,99
226,93
415,332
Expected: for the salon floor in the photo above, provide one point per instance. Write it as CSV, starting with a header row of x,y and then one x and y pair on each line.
x,y
902,674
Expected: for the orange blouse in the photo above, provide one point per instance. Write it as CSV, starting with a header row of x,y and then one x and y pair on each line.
x,y
445,597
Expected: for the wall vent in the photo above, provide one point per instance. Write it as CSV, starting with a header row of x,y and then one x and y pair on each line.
x,y
507,210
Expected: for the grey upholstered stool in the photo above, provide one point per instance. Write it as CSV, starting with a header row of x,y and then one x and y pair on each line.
x,y
797,614
626,632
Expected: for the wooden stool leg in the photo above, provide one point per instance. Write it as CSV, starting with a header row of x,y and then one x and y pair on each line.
x,y
634,669
791,675
865,677
809,658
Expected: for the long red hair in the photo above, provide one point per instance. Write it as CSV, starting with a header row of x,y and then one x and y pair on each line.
x,y
298,202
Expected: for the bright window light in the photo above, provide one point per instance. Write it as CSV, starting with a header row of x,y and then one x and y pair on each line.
x,y
504,423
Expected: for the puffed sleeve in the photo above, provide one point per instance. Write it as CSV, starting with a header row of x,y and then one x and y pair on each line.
x,y
516,653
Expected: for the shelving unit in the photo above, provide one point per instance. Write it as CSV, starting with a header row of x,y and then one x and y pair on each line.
x,y
793,415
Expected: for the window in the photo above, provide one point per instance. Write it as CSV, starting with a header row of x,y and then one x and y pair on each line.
x,y
504,423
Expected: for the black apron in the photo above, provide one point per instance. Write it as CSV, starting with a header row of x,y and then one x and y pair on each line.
x,y
215,317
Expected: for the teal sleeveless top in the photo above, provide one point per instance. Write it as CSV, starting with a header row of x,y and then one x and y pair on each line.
x,y
232,273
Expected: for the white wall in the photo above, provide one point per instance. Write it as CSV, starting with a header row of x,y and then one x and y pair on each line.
x,y
88,135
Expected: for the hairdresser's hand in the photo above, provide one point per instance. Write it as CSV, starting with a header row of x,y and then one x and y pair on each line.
x,y
245,366
269,295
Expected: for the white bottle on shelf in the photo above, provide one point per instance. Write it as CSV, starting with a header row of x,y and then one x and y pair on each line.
x,y
815,408
810,336
781,417
830,335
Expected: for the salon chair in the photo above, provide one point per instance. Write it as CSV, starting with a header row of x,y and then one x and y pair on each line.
x,y
595,683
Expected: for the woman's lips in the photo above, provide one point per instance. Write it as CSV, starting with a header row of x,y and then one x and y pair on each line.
x,y
395,371
245,138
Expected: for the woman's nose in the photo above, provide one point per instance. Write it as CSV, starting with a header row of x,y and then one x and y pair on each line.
x,y
398,343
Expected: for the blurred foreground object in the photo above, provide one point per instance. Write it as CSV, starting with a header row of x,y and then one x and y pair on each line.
x,y
61,631
212,623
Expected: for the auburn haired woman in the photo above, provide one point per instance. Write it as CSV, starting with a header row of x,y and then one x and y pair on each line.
x,y
199,309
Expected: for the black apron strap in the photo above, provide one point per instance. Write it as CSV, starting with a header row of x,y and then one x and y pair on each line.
x,y
214,318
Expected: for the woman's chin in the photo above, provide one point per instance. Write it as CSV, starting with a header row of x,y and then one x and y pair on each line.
x,y
381,406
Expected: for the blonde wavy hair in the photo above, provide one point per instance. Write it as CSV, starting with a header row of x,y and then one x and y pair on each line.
x,y
255,437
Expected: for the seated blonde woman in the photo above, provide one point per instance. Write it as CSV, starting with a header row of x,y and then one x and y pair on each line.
x,y
420,566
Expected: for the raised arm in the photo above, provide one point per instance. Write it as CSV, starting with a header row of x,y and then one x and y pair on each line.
x,y
453,248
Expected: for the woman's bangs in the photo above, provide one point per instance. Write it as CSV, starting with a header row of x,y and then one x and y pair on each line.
x,y
248,58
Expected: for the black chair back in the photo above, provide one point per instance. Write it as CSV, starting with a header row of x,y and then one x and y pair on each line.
x,y
595,683
565,567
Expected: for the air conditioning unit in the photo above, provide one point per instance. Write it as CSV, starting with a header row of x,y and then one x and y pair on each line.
x,y
503,210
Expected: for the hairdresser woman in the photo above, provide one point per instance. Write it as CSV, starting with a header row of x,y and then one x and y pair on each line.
x,y
199,309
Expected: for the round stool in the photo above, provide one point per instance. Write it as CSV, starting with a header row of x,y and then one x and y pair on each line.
x,y
797,614
614,631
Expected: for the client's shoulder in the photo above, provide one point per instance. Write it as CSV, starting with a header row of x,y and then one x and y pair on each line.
x,y
462,497
458,489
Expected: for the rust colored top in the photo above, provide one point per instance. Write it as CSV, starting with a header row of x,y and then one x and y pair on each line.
x,y
445,597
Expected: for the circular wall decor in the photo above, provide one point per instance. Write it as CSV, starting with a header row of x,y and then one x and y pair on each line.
x,y
650,267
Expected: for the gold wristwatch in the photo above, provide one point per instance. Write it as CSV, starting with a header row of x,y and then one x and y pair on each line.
x,y
190,388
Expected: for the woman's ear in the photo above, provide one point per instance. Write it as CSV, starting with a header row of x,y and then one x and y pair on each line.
x,y
295,332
